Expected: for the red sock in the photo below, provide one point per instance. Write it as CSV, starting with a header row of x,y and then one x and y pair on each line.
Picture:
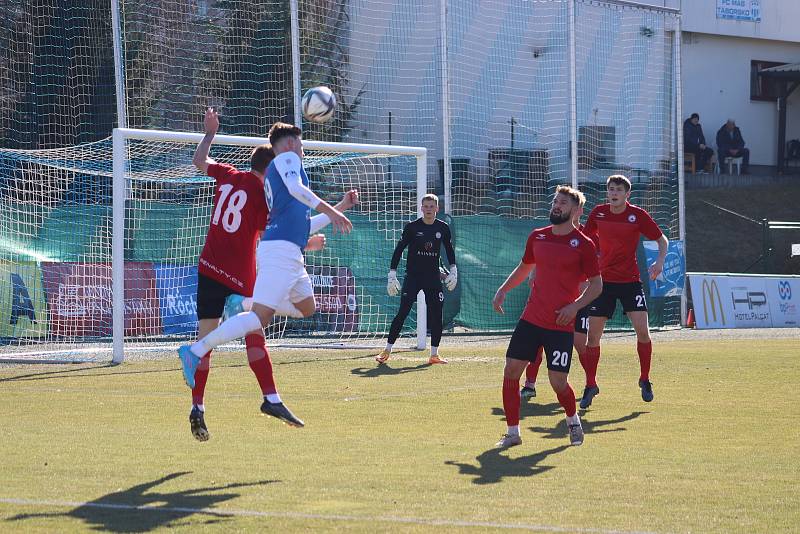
x,y
566,397
511,401
645,351
592,358
200,379
258,358
532,371
582,358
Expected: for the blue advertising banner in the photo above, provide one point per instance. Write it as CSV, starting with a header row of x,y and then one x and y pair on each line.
x,y
670,282
177,291
739,10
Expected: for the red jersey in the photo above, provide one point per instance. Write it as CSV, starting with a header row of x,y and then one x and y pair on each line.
x,y
238,215
616,236
562,263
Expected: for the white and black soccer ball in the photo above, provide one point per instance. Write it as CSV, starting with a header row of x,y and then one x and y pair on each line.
x,y
318,104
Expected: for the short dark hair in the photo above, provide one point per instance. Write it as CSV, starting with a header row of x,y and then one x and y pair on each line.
x,y
619,179
694,116
280,130
261,157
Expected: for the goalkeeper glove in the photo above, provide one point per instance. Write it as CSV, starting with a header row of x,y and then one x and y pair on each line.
x,y
452,278
393,285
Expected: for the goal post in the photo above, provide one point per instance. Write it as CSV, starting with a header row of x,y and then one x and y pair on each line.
x,y
318,153
99,243
365,168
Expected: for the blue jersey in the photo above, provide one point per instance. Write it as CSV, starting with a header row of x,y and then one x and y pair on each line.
x,y
289,219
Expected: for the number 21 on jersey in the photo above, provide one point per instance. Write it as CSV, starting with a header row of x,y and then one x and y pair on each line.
x,y
232,215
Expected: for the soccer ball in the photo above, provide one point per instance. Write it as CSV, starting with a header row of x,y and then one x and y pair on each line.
x,y
318,104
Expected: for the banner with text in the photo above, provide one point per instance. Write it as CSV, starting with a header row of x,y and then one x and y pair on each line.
x,y
177,291
670,282
22,300
739,10
730,301
335,293
80,303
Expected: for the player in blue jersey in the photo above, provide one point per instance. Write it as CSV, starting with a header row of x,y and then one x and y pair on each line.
x,y
282,280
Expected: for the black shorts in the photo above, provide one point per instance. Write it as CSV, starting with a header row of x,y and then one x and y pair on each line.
x,y
527,339
630,294
582,320
211,297
431,285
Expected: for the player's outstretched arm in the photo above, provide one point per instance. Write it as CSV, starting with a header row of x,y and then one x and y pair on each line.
x,y
211,126
315,242
289,167
658,267
320,221
517,276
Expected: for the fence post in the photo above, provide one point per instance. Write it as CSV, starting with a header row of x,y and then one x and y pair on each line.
x,y
766,246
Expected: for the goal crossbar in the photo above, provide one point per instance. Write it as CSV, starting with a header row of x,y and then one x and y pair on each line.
x,y
120,195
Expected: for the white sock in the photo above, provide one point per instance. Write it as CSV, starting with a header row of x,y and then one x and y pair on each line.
x,y
513,430
389,347
434,351
201,407
234,328
288,309
574,419
273,398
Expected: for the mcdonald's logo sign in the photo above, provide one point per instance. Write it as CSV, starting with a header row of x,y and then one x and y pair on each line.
x,y
712,301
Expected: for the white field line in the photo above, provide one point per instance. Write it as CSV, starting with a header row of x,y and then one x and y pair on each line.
x,y
322,517
222,397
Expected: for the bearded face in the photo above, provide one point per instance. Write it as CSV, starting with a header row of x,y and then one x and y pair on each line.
x,y
557,216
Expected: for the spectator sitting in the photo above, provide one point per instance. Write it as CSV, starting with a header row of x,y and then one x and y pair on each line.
x,y
695,142
731,145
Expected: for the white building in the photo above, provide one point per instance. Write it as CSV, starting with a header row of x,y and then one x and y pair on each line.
x,y
719,59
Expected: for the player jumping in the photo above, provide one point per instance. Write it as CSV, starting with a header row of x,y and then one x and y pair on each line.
x,y
615,228
564,257
424,238
282,283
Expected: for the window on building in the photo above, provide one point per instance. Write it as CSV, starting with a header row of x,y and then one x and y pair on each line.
x,y
762,88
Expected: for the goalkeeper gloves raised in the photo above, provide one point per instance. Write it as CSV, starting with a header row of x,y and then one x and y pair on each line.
x,y
452,278
393,285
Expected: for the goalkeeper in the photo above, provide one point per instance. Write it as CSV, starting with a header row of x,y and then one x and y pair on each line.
x,y
424,238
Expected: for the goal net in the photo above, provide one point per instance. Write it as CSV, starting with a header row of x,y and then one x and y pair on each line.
x,y
68,261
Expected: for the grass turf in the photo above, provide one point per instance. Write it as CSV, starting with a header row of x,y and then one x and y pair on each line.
x,y
406,447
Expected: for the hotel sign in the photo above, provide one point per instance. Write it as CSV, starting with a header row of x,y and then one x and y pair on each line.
x,y
730,301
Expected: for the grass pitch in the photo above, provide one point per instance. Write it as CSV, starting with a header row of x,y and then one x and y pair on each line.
x,y
406,447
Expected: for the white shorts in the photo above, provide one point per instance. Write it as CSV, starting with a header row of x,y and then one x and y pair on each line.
x,y
281,274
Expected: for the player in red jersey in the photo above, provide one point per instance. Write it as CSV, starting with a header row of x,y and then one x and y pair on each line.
x,y
564,257
528,390
227,263
615,228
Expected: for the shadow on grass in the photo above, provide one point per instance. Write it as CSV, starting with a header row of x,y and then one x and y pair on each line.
x,y
119,369
532,409
60,373
386,370
138,509
493,466
589,426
